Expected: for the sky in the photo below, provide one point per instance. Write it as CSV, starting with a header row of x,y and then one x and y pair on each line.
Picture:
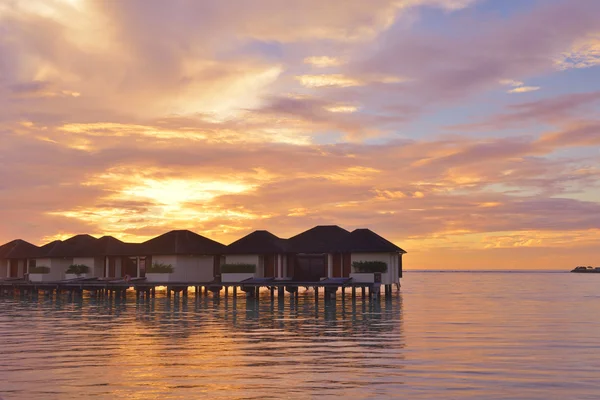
x,y
467,132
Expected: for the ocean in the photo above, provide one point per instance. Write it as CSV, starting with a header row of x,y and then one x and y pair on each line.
x,y
444,335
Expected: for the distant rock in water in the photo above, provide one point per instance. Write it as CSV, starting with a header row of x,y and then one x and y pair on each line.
x,y
587,270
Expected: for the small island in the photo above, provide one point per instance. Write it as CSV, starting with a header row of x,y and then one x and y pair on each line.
x,y
587,270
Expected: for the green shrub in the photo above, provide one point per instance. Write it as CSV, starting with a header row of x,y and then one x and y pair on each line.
x,y
160,268
369,266
238,268
39,270
78,269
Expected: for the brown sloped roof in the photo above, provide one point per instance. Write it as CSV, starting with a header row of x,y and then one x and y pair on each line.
x,y
366,241
320,239
47,248
181,242
18,249
257,242
107,246
68,248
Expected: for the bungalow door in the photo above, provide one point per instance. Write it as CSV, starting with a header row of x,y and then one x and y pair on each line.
x,y
346,264
269,260
129,266
310,268
216,266
290,266
337,265
14,269
144,263
112,268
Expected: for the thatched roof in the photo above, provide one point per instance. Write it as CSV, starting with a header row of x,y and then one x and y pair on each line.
x,y
67,248
47,248
366,241
107,246
181,242
18,249
320,239
257,242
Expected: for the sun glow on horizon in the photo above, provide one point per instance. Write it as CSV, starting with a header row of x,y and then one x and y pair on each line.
x,y
136,118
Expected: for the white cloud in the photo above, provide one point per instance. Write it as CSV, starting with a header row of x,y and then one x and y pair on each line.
x,y
524,89
340,80
518,86
323,61
511,82
584,54
325,80
342,109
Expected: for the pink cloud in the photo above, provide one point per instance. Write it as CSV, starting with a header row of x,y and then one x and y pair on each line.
x,y
179,125
452,66
554,110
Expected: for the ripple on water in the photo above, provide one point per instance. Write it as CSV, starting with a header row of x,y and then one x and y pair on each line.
x,y
493,336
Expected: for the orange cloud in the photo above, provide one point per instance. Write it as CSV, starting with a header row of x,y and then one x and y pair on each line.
x,y
131,118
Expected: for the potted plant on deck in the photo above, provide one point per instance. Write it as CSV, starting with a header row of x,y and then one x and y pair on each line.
x,y
39,274
364,271
159,272
77,271
237,272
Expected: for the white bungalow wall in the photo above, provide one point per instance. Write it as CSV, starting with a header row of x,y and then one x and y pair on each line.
x,y
189,268
57,266
96,265
248,259
391,259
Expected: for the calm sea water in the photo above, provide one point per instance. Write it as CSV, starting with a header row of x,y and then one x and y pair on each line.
x,y
443,336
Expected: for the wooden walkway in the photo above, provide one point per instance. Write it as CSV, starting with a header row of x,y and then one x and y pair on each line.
x,y
117,287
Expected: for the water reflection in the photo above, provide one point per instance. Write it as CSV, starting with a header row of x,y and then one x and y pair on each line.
x,y
444,336
180,348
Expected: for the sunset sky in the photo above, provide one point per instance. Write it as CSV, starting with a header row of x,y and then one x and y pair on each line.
x,y
467,132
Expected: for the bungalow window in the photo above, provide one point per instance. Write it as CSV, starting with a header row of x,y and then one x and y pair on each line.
x,y
28,265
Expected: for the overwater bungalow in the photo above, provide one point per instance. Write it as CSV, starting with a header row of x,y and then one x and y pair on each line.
x,y
194,258
262,249
57,256
16,257
365,246
322,252
312,255
108,257
325,251
330,251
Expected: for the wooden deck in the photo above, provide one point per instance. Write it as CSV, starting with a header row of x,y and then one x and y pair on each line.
x,y
118,287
